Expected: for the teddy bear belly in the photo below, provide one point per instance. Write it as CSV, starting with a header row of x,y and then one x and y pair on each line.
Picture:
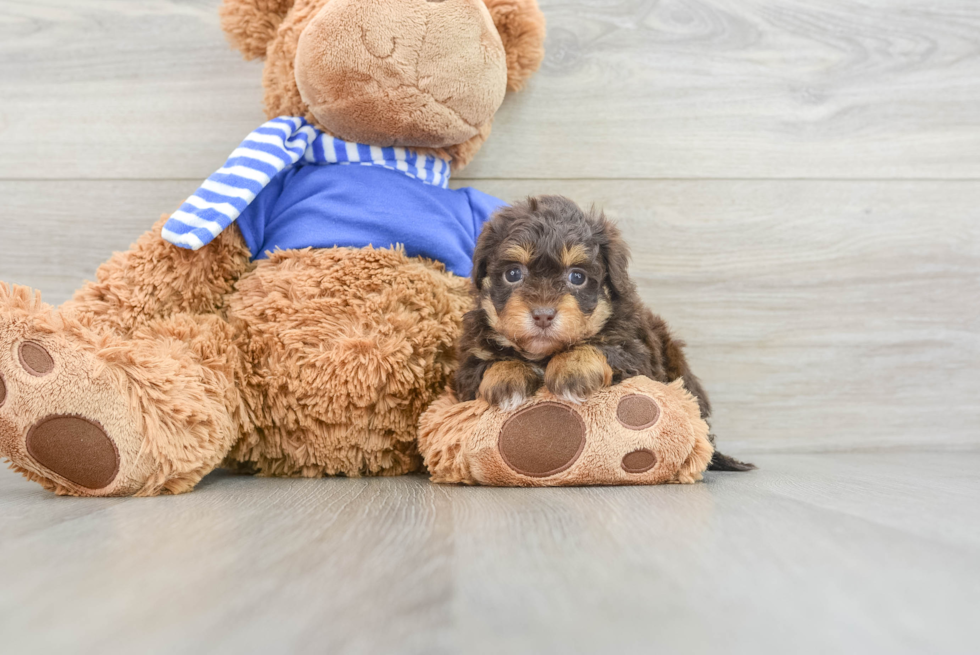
x,y
344,349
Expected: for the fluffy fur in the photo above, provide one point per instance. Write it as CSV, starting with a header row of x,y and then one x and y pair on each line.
x,y
555,306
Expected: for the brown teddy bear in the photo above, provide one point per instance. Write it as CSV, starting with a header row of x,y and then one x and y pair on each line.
x,y
271,324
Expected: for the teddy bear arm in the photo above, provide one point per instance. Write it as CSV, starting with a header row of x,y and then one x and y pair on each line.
x,y
251,24
155,279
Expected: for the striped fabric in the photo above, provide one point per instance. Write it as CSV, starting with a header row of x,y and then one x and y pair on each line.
x,y
266,152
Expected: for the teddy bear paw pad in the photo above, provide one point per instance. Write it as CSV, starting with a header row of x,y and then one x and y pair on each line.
x,y
637,412
75,448
639,461
542,440
35,359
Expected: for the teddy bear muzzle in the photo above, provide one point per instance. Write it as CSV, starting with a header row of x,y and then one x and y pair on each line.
x,y
413,73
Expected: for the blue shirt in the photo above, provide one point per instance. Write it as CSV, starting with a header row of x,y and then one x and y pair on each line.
x,y
323,206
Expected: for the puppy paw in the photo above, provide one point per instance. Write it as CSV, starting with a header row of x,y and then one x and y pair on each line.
x,y
508,384
578,373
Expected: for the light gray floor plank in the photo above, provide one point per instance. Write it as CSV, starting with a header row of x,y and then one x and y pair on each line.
x,y
811,554
636,88
821,315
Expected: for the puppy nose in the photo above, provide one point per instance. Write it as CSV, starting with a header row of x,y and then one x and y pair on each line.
x,y
543,316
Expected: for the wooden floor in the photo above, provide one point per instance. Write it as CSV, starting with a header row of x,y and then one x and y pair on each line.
x,y
800,182
823,553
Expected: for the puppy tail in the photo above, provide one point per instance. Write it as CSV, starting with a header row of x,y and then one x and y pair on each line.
x,y
720,462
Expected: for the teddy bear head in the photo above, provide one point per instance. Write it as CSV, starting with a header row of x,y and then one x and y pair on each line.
x,y
423,74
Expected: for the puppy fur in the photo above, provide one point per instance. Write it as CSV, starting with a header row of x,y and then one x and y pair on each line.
x,y
555,306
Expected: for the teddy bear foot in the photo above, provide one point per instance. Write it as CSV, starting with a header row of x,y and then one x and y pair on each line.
x,y
619,434
64,421
636,432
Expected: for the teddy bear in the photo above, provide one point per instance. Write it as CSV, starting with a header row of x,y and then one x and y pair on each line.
x,y
296,315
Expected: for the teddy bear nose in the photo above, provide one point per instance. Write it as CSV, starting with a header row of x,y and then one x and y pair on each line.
x,y
543,316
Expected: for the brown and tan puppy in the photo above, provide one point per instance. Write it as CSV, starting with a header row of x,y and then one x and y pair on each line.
x,y
556,307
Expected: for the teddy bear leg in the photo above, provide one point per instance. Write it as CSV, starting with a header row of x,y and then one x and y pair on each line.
x,y
92,414
121,391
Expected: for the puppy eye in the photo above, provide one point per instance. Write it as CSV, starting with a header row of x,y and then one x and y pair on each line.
x,y
576,277
514,274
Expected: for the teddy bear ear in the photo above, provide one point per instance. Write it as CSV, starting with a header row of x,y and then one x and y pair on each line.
x,y
522,27
252,24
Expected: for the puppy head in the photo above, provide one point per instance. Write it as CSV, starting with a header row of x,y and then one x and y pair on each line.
x,y
548,274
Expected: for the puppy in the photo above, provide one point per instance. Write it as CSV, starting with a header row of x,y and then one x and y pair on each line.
x,y
555,306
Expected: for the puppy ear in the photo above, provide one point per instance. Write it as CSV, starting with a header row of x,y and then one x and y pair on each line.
x,y
494,233
615,257
521,27
251,24
481,256
486,246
